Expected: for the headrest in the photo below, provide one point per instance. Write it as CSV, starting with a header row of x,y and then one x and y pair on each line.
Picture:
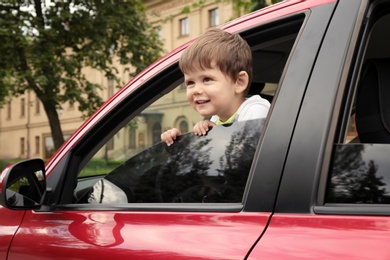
x,y
373,102
255,88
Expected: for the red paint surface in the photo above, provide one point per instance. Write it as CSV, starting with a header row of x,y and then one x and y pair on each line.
x,y
137,235
325,237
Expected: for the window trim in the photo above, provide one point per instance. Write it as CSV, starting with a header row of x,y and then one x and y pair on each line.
x,y
353,209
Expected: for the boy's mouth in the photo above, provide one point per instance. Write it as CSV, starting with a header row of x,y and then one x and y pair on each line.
x,y
200,102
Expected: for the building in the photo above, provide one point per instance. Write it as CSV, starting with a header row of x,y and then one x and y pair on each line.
x,y
24,128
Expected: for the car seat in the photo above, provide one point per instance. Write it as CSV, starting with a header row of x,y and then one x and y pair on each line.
x,y
373,102
256,88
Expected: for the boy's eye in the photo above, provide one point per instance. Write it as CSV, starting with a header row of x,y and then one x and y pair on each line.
x,y
207,79
189,83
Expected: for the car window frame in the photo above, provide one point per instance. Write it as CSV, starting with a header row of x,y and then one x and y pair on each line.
x,y
300,181
373,13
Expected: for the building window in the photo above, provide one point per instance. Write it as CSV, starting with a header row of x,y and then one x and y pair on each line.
x,y
37,106
37,144
184,26
158,31
110,144
110,87
22,107
214,17
183,126
157,130
9,110
49,145
132,137
22,146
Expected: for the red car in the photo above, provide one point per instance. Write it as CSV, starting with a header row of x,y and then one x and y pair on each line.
x,y
312,181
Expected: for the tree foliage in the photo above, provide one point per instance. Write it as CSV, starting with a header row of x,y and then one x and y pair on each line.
x,y
354,180
46,44
243,7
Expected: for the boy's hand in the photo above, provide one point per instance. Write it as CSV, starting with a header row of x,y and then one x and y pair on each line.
x,y
202,127
170,136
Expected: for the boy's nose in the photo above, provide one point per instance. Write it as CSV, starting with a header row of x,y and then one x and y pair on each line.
x,y
198,89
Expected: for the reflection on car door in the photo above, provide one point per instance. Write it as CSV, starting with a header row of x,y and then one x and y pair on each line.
x,y
193,213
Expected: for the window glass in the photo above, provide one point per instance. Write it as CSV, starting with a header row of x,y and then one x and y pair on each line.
x,y
49,145
9,110
359,171
184,26
214,17
156,133
22,146
22,107
37,106
37,144
360,174
183,127
213,168
110,87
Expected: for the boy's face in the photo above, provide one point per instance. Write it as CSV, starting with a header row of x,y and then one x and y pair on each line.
x,y
211,92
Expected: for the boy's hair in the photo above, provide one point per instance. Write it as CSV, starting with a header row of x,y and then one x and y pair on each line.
x,y
230,53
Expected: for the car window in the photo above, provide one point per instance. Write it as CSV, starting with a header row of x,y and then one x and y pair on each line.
x,y
359,170
211,168
133,166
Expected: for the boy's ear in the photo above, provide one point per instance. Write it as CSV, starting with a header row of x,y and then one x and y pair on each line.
x,y
242,82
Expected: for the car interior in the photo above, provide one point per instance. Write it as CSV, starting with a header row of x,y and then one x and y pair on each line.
x,y
370,113
373,121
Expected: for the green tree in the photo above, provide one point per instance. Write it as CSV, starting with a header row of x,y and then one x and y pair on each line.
x,y
258,4
353,180
243,7
45,44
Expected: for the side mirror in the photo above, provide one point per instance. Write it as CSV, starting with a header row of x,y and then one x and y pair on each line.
x,y
23,185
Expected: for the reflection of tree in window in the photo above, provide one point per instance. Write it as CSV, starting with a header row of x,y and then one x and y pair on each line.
x,y
180,178
352,181
235,164
156,133
188,171
167,176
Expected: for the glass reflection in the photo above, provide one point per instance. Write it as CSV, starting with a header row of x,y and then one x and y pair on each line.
x,y
359,174
211,168
98,229
26,183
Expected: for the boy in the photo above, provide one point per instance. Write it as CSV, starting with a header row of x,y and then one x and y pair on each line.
x,y
217,70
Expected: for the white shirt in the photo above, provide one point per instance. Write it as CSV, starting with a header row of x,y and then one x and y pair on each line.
x,y
254,107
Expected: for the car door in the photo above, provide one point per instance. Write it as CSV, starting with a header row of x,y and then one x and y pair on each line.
x,y
90,213
333,200
9,223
